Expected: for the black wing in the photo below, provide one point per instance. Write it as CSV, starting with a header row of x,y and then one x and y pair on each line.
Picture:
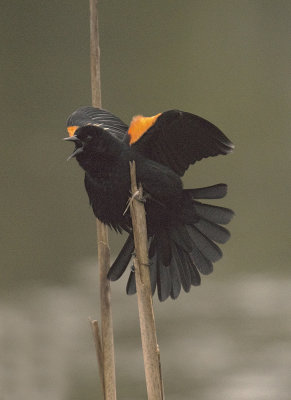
x,y
97,116
178,139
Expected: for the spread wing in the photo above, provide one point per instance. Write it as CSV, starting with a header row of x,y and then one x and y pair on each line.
x,y
97,116
178,139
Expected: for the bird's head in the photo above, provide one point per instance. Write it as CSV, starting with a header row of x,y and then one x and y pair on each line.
x,y
89,130
86,140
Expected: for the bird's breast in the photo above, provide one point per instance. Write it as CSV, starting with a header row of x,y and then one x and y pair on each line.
x,y
108,194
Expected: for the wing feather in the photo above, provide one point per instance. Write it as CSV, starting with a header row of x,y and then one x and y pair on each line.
x,y
178,139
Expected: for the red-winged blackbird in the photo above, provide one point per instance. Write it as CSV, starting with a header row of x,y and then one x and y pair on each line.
x,y
181,229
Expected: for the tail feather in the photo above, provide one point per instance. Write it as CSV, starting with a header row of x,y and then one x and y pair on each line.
x,y
195,276
152,246
175,279
210,192
131,284
215,214
182,238
181,252
213,231
202,263
184,269
164,247
153,272
208,248
163,281
122,260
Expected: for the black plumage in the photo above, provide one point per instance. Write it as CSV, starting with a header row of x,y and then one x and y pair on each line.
x,y
182,231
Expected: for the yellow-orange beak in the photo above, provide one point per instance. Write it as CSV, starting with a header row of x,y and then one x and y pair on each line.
x,y
71,130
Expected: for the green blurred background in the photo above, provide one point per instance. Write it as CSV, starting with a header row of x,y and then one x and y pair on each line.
x,y
227,61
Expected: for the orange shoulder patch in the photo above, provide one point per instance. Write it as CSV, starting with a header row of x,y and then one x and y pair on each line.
x,y
139,125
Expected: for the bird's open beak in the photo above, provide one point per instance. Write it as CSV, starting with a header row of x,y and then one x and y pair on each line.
x,y
72,139
78,144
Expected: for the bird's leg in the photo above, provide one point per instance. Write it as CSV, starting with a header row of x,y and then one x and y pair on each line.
x,y
138,196
144,198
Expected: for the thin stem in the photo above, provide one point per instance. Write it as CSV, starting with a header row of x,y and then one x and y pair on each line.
x,y
95,54
108,363
98,348
150,347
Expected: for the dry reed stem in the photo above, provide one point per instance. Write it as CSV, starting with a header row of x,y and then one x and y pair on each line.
x,y
144,294
98,347
108,363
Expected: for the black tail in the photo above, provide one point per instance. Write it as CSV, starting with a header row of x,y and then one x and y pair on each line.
x,y
179,254
122,260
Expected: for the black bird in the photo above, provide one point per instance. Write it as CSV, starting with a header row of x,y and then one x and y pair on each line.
x,y
182,231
